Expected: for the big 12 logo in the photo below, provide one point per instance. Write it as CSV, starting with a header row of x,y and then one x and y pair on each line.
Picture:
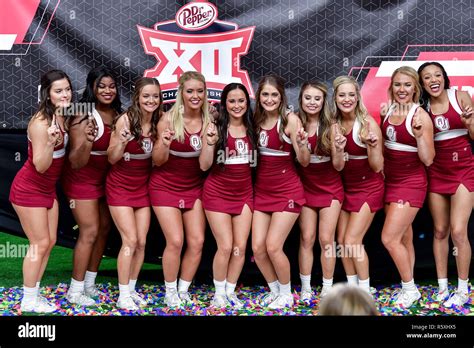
x,y
196,41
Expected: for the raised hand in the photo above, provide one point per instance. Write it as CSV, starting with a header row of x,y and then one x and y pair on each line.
x,y
167,137
54,134
211,134
302,137
339,139
125,134
368,137
91,129
466,115
213,111
417,126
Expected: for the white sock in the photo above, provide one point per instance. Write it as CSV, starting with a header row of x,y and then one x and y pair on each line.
x,y
409,286
131,284
352,279
220,287
229,288
124,290
462,286
285,289
29,294
89,279
76,286
274,287
442,284
327,282
305,282
183,285
171,286
37,285
364,284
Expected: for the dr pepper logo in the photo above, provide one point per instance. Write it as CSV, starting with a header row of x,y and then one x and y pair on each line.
x,y
195,40
196,15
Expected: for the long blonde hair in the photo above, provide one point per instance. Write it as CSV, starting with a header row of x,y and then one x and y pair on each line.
x,y
177,111
361,112
344,299
325,116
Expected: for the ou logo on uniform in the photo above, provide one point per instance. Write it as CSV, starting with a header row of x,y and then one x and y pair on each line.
x,y
442,123
263,139
391,133
195,142
241,147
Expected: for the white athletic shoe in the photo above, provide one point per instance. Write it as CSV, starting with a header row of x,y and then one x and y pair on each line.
x,y
306,295
457,299
406,299
185,298
267,298
442,296
40,305
220,301
324,291
91,292
139,301
235,301
282,301
80,299
172,299
127,303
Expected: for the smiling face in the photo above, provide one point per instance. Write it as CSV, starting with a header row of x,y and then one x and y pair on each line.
x,y
312,101
403,88
193,94
236,103
433,80
105,90
149,99
60,93
270,98
346,97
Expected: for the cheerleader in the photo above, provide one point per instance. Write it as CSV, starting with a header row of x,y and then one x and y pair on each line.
x,y
33,191
362,178
408,140
228,191
84,181
279,194
322,185
450,177
176,185
129,152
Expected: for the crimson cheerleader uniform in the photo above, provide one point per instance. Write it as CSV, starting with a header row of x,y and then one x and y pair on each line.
x,y
33,189
453,164
321,182
405,174
361,183
88,182
277,187
127,180
228,189
178,182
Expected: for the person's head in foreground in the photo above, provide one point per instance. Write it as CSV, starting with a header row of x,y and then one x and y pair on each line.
x,y
344,299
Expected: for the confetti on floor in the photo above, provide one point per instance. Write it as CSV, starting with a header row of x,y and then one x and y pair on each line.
x,y
202,295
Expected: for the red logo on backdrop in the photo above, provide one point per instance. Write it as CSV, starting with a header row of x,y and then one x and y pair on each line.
x,y
16,18
197,41
459,67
